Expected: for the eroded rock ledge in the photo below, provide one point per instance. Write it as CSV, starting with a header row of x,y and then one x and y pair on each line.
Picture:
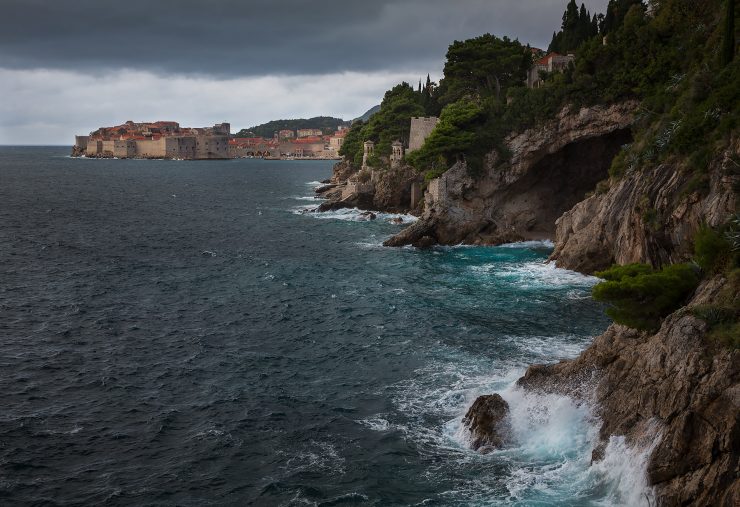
x,y
674,386
648,215
552,167
387,190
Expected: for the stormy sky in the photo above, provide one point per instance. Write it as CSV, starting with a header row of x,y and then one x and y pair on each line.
x,y
69,66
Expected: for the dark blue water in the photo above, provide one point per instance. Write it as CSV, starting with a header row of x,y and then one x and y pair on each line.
x,y
178,333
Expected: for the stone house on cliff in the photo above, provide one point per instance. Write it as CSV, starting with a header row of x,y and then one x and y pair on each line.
x,y
552,62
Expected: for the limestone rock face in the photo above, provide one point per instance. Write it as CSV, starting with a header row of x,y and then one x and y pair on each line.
x,y
387,190
646,216
672,389
487,420
551,169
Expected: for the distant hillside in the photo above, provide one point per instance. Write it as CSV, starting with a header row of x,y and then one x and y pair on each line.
x,y
326,123
368,113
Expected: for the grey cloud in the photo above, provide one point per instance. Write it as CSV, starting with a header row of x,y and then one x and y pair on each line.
x,y
249,38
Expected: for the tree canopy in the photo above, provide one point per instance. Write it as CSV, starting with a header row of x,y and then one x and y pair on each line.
x,y
390,123
483,66
327,124
578,26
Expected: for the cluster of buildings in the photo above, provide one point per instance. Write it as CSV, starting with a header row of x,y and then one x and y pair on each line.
x,y
160,139
300,133
168,140
303,143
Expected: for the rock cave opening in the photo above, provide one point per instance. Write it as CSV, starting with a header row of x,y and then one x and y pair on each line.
x,y
562,179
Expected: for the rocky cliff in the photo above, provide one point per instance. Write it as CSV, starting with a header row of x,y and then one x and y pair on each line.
x,y
674,390
386,189
647,216
551,168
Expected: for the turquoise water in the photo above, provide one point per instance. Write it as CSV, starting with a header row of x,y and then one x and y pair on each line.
x,y
190,333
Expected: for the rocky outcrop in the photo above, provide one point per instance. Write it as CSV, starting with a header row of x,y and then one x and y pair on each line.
x,y
647,216
386,189
487,421
675,389
551,168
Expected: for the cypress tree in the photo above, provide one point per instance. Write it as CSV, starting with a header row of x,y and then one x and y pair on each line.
x,y
728,39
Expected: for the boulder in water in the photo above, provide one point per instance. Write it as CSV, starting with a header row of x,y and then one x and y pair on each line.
x,y
487,420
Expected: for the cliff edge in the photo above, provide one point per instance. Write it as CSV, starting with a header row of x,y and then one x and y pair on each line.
x,y
648,215
551,168
674,391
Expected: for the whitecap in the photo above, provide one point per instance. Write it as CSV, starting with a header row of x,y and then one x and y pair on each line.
x,y
354,215
540,243
537,275
375,423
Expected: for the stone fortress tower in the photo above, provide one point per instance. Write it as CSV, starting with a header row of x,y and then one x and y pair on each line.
x,y
421,127
368,149
396,154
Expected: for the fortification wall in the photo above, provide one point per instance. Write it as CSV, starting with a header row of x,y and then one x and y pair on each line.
x,y
211,147
420,129
81,141
94,148
149,148
124,149
108,148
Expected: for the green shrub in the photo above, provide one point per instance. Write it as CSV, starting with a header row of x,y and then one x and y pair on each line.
x,y
639,296
712,250
722,321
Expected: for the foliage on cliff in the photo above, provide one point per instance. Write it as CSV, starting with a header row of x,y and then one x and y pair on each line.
x,y
677,58
390,123
639,296
327,124
483,67
578,26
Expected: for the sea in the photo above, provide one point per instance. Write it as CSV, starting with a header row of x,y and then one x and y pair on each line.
x,y
193,333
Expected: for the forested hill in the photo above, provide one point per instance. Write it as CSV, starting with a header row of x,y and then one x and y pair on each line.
x,y
327,124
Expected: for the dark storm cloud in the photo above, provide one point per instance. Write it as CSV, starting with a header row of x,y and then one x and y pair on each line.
x,y
257,37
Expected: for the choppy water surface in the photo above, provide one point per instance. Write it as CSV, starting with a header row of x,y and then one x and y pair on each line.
x,y
180,333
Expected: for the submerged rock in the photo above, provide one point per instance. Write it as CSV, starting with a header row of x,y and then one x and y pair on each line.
x,y
487,420
368,215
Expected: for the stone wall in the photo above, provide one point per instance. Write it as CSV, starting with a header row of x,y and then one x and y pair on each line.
x,y
124,149
420,130
81,142
149,148
211,147
94,148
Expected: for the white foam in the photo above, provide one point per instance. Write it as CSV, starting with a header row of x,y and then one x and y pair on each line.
x,y
375,423
305,198
543,243
623,470
353,215
536,275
